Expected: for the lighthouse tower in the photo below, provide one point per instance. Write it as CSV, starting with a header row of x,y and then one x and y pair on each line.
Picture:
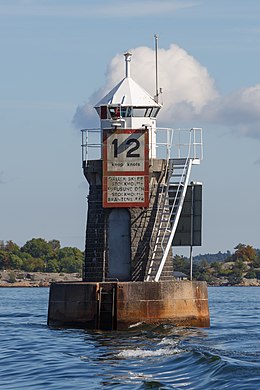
x,y
127,197
141,203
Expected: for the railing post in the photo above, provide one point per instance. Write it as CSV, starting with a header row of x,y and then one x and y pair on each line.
x,y
82,146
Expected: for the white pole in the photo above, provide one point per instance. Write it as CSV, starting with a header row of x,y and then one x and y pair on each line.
x,y
191,227
128,56
156,69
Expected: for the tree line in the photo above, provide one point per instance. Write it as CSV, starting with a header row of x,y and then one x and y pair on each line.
x,y
39,255
232,268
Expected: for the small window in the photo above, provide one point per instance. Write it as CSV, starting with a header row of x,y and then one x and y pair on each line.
x,y
129,111
139,112
124,112
155,112
114,112
103,112
145,112
148,112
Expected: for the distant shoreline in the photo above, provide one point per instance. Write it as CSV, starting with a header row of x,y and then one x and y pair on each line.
x,y
17,278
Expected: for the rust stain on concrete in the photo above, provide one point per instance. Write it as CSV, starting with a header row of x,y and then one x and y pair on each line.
x,y
182,303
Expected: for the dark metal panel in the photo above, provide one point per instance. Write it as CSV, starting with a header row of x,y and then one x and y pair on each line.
x,y
190,224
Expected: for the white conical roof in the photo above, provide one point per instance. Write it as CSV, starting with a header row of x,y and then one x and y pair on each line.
x,y
128,93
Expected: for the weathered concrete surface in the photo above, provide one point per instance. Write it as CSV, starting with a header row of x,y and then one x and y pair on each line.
x,y
73,304
182,303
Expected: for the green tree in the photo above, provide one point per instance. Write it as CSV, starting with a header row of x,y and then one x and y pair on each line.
x,y
33,265
37,247
203,271
11,247
4,259
55,245
218,269
52,265
251,274
239,264
38,254
70,260
244,252
181,264
236,276
256,262
15,262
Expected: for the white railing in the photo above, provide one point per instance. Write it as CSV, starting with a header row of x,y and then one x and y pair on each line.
x,y
181,191
179,143
90,144
170,143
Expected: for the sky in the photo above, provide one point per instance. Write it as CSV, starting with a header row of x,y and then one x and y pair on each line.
x,y
59,57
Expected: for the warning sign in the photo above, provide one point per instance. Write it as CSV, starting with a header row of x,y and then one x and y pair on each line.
x,y
125,168
127,189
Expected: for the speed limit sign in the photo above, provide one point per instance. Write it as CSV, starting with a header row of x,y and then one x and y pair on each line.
x,y
125,168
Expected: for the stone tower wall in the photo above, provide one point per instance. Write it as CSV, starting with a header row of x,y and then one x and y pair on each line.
x,y
143,226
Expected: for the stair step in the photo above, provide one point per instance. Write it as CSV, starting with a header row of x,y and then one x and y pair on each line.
x,y
177,184
178,161
171,198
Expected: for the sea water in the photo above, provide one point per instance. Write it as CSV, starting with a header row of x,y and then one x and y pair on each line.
x,y
224,356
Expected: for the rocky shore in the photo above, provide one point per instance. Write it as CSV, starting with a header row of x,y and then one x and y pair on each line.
x,y
17,278
244,283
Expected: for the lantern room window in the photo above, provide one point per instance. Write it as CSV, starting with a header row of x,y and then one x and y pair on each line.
x,y
116,112
145,112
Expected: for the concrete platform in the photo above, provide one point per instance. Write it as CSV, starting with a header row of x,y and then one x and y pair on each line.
x,y
118,305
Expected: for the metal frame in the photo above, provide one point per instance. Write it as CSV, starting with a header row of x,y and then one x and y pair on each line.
x,y
171,143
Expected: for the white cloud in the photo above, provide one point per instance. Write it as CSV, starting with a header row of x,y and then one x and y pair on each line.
x,y
189,93
239,110
187,86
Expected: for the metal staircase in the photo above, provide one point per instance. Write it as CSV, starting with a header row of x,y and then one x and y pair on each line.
x,y
188,150
169,208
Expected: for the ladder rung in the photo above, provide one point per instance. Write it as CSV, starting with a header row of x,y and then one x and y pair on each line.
x,y
179,184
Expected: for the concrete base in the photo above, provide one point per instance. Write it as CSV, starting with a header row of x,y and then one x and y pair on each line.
x,y
118,305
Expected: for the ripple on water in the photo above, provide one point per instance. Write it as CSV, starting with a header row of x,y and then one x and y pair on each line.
x,y
226,356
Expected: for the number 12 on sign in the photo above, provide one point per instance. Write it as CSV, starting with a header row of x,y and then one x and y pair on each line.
x,y
125,150
125,164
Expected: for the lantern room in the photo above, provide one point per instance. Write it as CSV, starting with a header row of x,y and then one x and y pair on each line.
x,y
129,106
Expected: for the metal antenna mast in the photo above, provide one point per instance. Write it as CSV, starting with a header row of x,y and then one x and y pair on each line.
x,y
156,68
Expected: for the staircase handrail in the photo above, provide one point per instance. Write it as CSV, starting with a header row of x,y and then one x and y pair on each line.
x,y
186,170
183,176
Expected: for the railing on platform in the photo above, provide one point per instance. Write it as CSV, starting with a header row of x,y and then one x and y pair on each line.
x,y
90,144
170,143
